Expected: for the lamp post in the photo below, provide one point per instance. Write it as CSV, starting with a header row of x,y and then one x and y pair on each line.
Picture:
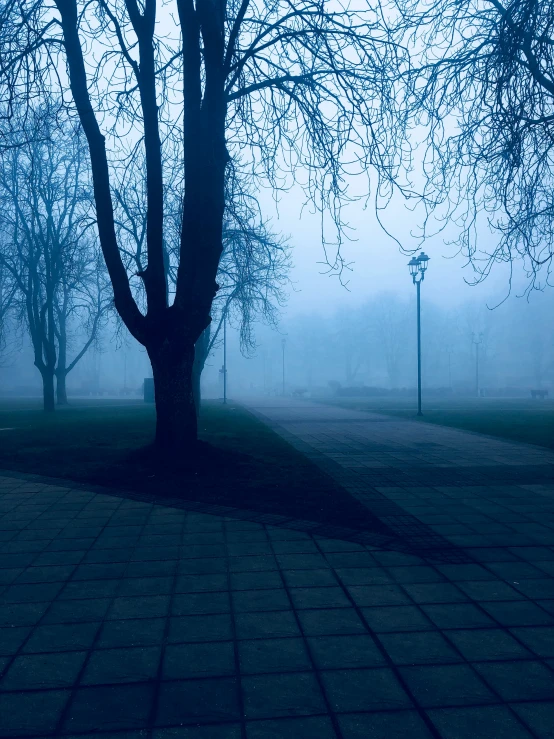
x,y
225,359
477,341
417,267
283,344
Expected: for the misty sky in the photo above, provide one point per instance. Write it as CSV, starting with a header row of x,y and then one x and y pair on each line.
x,y
378,265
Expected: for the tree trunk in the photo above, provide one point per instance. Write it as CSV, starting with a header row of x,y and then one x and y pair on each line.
x,y
201,351
49,402
196,388
176,422
61,369
61,389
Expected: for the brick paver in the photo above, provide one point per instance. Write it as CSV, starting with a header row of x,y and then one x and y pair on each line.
x,y
123,618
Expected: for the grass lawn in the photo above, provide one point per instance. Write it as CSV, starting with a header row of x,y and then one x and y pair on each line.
x,y
246,465
516,419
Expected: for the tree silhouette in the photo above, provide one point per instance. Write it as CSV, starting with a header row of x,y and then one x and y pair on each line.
x,y
47,248
482,82
252,271
299,90
7,295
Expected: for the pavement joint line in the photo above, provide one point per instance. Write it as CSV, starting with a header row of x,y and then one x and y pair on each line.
x,y
236,657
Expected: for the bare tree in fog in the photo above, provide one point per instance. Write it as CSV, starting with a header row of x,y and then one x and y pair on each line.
x,y
441,336
349,340
7,295
253,268
48,248
312,336
389,319
484,86
525,340
287,86
81,311
252,277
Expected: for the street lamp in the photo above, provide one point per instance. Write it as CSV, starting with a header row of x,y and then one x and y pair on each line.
x,y
418,267
225,359
477,341
283,344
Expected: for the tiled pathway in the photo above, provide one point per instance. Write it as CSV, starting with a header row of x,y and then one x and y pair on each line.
x,y
120,618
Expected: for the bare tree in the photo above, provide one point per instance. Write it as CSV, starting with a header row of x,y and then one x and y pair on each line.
x,y
83,304
252,276
349,341
482,82
48,249
313,341
441,344
289,85
389,321
253,268
7,295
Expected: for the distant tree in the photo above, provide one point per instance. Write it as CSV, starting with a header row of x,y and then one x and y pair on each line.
x,y
526,339
349,340
7,295
441,344
48,249
82,308
389,321
313,337
482,82
289,85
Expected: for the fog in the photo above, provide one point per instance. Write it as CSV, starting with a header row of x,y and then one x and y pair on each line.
x,y
336,330
323,329
360,329
355,330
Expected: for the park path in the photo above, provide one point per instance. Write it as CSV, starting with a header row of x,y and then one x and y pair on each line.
x,y
123,618
437,488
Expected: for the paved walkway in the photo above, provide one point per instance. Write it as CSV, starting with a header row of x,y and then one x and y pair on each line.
x,y
120,618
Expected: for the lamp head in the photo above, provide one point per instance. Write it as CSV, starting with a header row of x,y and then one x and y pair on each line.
x,y
413,266
423,259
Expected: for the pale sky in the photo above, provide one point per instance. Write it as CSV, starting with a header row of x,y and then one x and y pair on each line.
x,y
378,265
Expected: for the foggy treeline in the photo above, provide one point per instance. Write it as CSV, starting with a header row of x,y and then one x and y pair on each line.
x,y
374,345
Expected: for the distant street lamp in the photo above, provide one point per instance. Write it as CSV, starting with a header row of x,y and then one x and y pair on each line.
x,y
283,344
225,359
477,341
417,266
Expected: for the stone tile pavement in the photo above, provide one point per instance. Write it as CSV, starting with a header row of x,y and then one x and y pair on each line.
x,y
123,618
435,487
